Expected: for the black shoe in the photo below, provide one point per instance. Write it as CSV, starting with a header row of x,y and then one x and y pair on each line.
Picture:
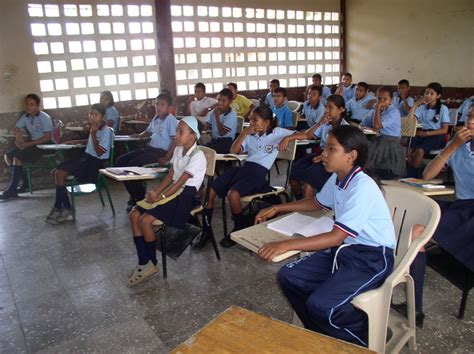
x,y
5,195
129,208
226,242
201,241
22,189
402,309
131,202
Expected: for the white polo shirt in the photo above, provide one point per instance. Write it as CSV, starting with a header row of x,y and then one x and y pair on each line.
x,y
197,107
193,163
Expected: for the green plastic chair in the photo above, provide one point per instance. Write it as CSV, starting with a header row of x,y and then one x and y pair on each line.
x,y
47,162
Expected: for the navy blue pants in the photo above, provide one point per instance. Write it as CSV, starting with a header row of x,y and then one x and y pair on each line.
x,y
305,170
322,299
220,145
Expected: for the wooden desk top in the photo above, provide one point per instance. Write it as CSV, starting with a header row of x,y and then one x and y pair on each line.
x,y
238,330
130,138
76,129
427,192
229,157
60,146
134,121
131,177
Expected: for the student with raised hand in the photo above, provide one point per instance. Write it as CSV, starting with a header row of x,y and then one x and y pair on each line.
x,y
223,123
112,115
282,113
200,105
171,201
434,117
357,254
402,99
360,107
346,88
274,84
162,130
317,80
85,168
39,127
240,104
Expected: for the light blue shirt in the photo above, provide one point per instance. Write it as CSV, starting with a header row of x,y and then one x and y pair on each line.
x,y
357,107
313,114
462,163
36,126
105,136
111,114
360,209
263,149
162,131
463,110
349,92
284,116
326,92
398,104
323,131
425,116
391,122
269,100
228,120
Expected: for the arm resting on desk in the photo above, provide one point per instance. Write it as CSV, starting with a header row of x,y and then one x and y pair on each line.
x,y
24,144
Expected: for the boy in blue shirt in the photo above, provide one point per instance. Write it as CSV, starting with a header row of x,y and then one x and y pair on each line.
x,y
346,88
313,108
274,84
317,81
283,114
112,115
223,123
360,107
463,110
401,99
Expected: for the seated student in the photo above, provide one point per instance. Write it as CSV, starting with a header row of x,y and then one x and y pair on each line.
x,y
112,116
260,141
223,123
386,156
200,105
361,106
282,113
162,130
463,110
313,108
309,170
317,81
402,99
346,88
171,201
434,117
85,168
357,253
171,109
240,104
274,84
39,127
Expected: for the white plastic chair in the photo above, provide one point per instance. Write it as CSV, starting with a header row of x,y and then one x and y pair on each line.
x,y
294,105
255,102
240,125
408,208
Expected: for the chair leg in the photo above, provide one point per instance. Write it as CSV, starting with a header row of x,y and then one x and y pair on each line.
x,y
277,169
214,245
30,183
73,204
100,196
465,293
224,216
109,197
163,252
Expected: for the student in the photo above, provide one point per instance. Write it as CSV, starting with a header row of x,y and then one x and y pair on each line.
x,y
434,117
317,81
346,88
223,123
313,108
200,105
171,109
240,104
309,170
85,168
39,127
357,254
162,130
401,99
361,106
171,201
260,141
112,116
274,84
282,113
386,156
463,110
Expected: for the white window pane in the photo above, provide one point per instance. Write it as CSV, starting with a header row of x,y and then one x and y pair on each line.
x,y
106,45
122,62
203,26
216,57
133,10
64,102
46,85
38,29
85,10
70,10
259,13
146,10
139,78
205,58
77,64
147,27
202,10
110,80
57,47
51,10
153,92
136,44
152,76
89,46
117,10
138,61
59,66
151,59
149,44
105,28
118,27
75,47
204,42
190,42
182,90
103,10
49,102
249,13
253,85
79,82
215,26
92,63
41,48
192,75
125,95
140,94
35,10
213,11
188,26
124,79
87,28
206,73
108,63
82,100
188,11
190,58
94,97
181,75
93,81
72,28
175,10
178,42
134,27
120,44
44,67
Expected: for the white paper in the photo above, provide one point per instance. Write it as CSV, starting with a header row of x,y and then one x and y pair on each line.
x,y
134,170
301,224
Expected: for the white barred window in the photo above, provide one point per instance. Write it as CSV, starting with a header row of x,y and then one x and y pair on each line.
x,y
84,49
251,46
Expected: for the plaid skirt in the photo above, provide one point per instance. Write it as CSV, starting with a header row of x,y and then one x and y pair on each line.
x,y
386,153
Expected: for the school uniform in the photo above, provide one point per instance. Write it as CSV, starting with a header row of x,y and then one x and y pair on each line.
x,y
320,287
397,102
175,212
349,92
386,154
241,105
430,120
313,114
463,110
250,178
163,131
269,101
197,106
284,116
112,114
356,108
326,93
222,143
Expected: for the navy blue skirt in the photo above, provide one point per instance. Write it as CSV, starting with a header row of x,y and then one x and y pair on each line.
x,y
220,145
85,168
433,142
251,178
305,170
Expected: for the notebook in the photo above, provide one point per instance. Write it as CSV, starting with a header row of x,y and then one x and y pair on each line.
x,y
304,225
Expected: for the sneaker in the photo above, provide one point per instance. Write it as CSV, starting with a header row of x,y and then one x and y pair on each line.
x,y
5,195
53,215
402,309
201,241
141,273
65,215
226,242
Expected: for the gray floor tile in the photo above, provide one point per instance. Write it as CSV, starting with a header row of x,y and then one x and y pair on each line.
x,y
8,319
13,341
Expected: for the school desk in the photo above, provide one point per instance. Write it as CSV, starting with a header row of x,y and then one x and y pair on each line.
x,y
125,138
306,142
238,330
427,192
136,122
59,147
231,157
131,176
75,129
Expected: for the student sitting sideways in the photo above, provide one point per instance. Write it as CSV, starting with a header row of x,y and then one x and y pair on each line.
x,y
240,104
200,105
401,99
85,168
360,107
223,123
112,115
274,84
282,113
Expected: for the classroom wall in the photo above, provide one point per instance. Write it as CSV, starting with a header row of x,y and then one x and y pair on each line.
x,y
420,40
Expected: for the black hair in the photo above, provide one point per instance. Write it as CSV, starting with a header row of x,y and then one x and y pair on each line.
x,y
352,138
339,102
364,85
200,85
109,96
166,92
347,74
99,108
316,88
317,76
387,89
165,97
436,86
404,82
34,97
227,93
275,81
233,84
266,113
281,90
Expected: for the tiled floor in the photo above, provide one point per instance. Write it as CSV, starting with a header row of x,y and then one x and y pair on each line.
x,y
63,288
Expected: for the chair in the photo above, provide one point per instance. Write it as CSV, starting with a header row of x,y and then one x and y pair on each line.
x,y
289,155
240,125
255,102
408,129
294,105
408,208
162,229
47,162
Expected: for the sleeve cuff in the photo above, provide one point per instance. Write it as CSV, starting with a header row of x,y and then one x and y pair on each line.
x,y
227,128
189,173
321,204
345,229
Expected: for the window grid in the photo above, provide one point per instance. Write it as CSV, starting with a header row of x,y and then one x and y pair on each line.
x,y
251,46
84,49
